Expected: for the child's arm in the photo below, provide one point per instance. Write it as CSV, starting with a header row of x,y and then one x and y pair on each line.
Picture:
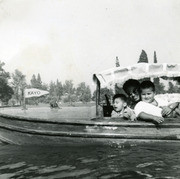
x,y
148,112
150,118
173,105
166,110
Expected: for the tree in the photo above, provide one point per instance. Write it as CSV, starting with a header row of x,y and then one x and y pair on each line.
x,y
59,89
44,86
87,95
52,87
56,89
173,87
159,86
155,58
143,57
117,62
68,87
39,82
83,92
6,91
18,84
3,74
33,81
36,82
69,91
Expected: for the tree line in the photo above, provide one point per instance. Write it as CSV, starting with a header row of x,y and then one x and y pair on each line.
x,y
12,89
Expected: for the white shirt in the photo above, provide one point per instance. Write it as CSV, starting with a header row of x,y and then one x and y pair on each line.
x,y
125,112
116,114
147,108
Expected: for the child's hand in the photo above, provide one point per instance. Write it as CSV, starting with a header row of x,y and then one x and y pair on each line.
x,y
128,113
133,117
166,111
157,119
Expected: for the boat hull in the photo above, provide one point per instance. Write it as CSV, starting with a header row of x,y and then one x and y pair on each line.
x,y
32,131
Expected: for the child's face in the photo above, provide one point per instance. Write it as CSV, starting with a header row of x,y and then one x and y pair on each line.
x,y
147,95
133,93
118,104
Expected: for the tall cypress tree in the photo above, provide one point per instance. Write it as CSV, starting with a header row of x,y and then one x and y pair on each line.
x,y
143,57
39,82
117,62
155,58
33,81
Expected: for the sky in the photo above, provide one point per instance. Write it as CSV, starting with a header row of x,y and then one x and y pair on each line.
x,y
72,39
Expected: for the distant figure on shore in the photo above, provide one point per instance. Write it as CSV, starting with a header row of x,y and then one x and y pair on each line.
x,y
54,104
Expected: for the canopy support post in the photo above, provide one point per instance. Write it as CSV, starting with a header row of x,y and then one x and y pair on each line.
x,y
97,96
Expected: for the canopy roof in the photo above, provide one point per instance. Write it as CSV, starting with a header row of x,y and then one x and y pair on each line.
x,y
119,75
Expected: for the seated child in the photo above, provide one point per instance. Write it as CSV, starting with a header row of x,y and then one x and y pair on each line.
x,y
155,107
121,109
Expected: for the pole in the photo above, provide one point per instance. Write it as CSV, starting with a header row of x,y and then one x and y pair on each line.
x,y
97,82
24,100
97,97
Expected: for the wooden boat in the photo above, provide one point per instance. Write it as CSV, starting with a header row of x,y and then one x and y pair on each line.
x,y
23,130
32,131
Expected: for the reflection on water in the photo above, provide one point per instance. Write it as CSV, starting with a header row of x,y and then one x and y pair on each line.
x,y
138,161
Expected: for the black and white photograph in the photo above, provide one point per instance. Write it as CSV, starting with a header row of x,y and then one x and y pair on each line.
x,y
89,89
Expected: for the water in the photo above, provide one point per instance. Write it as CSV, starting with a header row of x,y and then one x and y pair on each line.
x,y
124,161
68,113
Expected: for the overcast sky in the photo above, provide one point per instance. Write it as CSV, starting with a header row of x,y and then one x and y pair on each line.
x,y
72,39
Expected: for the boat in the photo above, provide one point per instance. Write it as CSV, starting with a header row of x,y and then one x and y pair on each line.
x,y
87,130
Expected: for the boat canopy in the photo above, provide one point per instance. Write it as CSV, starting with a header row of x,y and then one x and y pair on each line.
x,y
119,75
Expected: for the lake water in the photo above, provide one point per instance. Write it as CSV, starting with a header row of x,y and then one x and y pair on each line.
x,y
103,162
69,113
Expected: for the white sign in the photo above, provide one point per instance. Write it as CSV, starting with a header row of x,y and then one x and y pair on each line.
x,y
33,92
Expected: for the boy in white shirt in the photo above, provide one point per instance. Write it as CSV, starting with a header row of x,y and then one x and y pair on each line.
x,y
153,109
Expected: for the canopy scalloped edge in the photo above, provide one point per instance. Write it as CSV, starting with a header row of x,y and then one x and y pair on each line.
x,y
119,75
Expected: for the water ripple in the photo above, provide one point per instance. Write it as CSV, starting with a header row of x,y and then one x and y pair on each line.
x,y
90,162
53,169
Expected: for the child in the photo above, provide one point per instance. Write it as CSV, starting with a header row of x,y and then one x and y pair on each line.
x,y
155,107
121,109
